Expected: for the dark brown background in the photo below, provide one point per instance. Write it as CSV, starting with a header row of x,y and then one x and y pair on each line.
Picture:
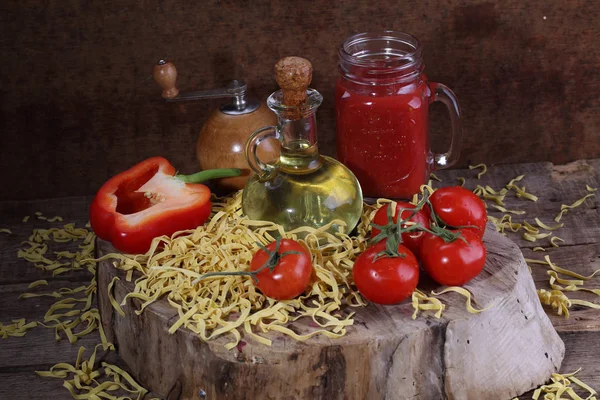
x,y
78,103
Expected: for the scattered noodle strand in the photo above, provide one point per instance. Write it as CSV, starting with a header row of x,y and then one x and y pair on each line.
x,y
18,327
566,207
483,169
464,292
555,239
111,297
422,302
546,227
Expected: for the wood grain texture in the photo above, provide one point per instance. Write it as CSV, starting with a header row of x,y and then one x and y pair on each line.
x,y
501,352
78,103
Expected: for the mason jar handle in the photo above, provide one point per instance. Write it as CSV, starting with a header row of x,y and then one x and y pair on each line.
x,y
443,94
265,171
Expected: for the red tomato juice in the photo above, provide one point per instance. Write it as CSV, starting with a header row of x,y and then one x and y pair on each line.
x,y
382,136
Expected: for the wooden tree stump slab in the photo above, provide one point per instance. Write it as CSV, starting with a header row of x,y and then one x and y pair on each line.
x,y
497,354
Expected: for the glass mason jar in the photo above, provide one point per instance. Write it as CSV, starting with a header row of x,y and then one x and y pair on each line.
x,y
382,114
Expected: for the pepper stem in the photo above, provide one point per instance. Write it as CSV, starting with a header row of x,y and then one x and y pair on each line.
x,y
209,174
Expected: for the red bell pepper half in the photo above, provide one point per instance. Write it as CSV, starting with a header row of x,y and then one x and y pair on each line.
x,y
149,200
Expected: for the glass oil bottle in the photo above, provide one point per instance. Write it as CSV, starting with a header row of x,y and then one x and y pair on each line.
x,y
303,187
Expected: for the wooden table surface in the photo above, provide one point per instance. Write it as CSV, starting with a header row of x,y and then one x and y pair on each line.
x,y
555,185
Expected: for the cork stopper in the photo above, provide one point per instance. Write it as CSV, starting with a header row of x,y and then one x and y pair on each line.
x,y
293,75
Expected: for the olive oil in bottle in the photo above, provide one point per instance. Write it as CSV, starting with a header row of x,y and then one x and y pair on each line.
x,y
302,188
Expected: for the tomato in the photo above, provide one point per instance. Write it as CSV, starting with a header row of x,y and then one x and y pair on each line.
x,y
457,207
290,274
412,240
454,263
387,280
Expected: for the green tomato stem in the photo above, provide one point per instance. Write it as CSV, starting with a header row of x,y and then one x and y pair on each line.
x,y
271,263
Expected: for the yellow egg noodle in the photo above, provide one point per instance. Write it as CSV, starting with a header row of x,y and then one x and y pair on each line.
x,y
464,292
483,169
532,237
67,318
462,181
520,191
231,304
41,282
36,251
42,217
555,239
556,297
72,316
504,210
111,297
546,227
26,218
590,189
85,381
561,387
488,193
422,302
504,223
434,177
531,234
565,207
5,230
19,327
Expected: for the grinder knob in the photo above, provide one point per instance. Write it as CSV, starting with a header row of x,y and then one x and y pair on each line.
x,y
165,74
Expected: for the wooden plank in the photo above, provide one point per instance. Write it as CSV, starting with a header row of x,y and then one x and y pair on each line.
x,y
581,259
581,225
38,346
33,308
16,270
28,385
580,352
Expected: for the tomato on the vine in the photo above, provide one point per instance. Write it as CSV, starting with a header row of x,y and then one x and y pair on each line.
x,y
459,207
287,269
412,240
453,263
385,280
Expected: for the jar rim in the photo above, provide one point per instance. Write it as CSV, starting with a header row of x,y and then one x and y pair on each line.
x,y
387,35
381,58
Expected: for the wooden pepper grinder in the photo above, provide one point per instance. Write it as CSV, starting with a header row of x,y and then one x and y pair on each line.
x,y
223,136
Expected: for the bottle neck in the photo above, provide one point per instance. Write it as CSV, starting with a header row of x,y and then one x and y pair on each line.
x,y
381,58
299,149
297,130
